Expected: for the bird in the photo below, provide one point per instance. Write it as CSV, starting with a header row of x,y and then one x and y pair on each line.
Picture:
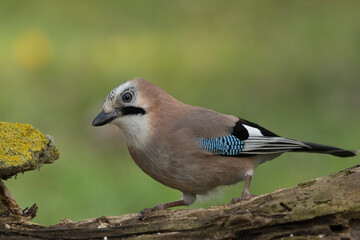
x,y
193,149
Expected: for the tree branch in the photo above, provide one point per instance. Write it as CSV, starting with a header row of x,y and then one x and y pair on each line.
x,y
325,208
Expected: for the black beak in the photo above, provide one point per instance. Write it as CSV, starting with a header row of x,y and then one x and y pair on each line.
x,y
104,118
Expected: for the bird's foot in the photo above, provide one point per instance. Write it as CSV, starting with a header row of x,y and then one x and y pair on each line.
x,y
163,206
244,196
235,200
146,211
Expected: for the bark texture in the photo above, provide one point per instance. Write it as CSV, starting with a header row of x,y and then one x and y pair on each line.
x,y
324,208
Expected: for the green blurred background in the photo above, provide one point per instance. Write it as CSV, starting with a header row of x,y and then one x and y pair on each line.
x,y
291,66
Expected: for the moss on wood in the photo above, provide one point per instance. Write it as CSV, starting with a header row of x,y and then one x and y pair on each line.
x,y
23,148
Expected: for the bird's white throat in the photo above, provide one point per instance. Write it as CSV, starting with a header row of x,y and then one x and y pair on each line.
x,y
135,128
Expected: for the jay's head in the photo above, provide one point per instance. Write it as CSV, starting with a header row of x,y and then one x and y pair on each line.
x,y
128,100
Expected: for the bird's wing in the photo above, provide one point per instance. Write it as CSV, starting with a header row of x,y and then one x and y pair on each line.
x,y
247,138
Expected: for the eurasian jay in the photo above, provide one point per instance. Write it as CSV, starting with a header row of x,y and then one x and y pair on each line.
x,y
193,149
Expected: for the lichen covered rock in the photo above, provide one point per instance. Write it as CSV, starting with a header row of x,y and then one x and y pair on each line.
x,y
23,148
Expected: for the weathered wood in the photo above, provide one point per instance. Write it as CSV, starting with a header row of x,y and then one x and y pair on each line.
x,y
22,148
325,208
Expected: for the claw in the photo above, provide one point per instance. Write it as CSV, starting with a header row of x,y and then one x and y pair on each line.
x,y
243,198
146,211
235,200
186,201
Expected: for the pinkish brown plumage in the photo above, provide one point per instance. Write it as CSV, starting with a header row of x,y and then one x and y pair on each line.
x,y
193,149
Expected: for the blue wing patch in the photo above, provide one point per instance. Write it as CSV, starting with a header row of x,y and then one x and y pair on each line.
x,y
228,145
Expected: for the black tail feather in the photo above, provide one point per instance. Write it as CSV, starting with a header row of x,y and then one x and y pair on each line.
x,y
320,148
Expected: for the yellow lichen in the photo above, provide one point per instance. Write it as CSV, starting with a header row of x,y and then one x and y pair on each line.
x,y
20,144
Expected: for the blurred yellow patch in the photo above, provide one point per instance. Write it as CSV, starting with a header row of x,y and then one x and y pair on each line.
x,y
32,50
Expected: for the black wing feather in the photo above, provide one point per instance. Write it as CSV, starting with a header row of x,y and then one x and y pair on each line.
x,y
242,133
273,143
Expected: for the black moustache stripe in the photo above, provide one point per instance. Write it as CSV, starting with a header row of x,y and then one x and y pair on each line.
x,y
132,111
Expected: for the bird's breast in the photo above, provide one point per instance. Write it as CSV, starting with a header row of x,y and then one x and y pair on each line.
x,y
156,164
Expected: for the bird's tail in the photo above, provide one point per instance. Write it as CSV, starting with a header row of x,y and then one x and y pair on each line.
x,y
325,149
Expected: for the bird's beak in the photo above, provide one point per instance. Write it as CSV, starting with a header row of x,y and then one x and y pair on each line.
x,y
104,118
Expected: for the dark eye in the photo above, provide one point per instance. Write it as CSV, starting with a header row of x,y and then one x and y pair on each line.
x,y
127,97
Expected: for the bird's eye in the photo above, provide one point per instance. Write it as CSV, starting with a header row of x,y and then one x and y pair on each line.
x,y
127,97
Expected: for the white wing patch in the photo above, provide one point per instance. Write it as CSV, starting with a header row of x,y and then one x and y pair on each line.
x,y
253,132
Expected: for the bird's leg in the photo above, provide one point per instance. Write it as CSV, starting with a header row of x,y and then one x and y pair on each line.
x,y
187,200
163,206
246,192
